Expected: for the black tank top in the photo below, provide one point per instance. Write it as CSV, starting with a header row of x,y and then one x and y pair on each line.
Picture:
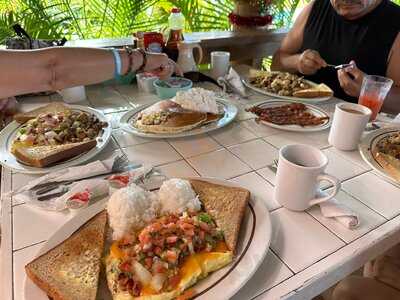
x,y
367,40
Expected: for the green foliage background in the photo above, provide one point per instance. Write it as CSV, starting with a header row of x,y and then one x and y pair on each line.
x,y
87,19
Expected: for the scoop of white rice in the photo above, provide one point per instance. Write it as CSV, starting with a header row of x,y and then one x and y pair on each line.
x,y
177,196
197,99
130,209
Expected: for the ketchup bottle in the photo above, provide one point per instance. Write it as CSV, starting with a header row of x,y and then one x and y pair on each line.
x,y
176,23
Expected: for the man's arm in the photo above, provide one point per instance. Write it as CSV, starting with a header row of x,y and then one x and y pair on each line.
x,y
392,102
288,58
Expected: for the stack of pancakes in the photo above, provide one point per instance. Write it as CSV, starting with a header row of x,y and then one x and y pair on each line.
x,y
168,116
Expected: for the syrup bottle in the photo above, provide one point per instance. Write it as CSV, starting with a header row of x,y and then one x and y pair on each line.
x,y
176,23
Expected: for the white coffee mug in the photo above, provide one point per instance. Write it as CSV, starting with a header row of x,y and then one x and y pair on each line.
x,y
73,94
300,169
349,121
219,63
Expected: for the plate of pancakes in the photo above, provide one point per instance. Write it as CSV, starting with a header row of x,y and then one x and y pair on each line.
x,y
192,112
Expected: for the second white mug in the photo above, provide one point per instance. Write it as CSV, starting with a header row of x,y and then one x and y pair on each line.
x,y
300,169
349,121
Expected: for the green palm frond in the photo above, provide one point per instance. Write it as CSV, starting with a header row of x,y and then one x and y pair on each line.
x,y
84,19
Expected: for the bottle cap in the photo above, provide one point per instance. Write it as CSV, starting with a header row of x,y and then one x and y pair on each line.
x,y
176,10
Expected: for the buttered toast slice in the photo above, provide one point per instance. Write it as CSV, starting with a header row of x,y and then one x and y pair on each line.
x,y
42,156
54,107
226,205
70,271
320,90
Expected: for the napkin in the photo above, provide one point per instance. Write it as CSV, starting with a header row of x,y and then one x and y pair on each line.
x,y
91,188
72,173
335,209
232,82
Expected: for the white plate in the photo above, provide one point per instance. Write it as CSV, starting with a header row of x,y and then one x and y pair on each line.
x,y
7,135
230,112
297,99
368,143
311,108
253,243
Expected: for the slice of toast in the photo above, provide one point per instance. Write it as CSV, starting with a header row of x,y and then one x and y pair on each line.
x,y
71,270
390,164
320,90
50,108
42,156
226,205
258,73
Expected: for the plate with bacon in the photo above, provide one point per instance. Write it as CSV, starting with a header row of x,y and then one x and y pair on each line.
x,y
291,116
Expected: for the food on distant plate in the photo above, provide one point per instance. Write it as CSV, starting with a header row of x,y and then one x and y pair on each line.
x,y
197,99
53,108
55,135
175,250
289,114
387,153
42,156
188,110
320,90
71,269
287,84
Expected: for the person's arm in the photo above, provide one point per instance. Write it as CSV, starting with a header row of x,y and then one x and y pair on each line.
x,y
392,102
56,68
288,58
352,84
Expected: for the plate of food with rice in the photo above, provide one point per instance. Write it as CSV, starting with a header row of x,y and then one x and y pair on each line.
x,y
192,238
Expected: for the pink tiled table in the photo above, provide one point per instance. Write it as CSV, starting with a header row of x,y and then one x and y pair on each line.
x,y
308,253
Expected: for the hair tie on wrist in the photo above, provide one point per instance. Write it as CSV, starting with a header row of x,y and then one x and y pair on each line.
x,y
117,63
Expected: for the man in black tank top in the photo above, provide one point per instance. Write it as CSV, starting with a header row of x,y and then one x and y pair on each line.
x,y
366,32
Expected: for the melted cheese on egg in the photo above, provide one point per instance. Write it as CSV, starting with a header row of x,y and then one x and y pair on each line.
x,y
195,267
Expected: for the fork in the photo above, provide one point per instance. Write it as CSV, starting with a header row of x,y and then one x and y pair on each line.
x,y
339,67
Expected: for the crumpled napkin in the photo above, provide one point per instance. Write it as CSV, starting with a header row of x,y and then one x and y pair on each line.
x,y
335,209
91,189
72,173
232,82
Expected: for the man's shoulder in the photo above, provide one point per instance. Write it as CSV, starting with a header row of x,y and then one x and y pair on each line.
x,y
393,9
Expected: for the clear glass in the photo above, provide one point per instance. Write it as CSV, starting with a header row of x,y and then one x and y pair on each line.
x,y
374,90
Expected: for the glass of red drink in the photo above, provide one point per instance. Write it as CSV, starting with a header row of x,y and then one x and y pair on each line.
x,y
373,92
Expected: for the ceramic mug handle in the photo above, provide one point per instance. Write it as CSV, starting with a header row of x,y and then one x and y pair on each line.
x,y
200,53
336,188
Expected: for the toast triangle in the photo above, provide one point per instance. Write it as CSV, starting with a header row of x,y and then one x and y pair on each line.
x,y
226,205
42,156
70,271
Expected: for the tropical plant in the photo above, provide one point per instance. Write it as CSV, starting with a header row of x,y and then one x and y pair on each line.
x,y
84,19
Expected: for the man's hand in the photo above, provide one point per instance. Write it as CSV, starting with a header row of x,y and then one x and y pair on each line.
x,y
161,65
310,62
351,80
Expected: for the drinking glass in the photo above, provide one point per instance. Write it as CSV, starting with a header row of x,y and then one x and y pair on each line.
x,y
373,92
